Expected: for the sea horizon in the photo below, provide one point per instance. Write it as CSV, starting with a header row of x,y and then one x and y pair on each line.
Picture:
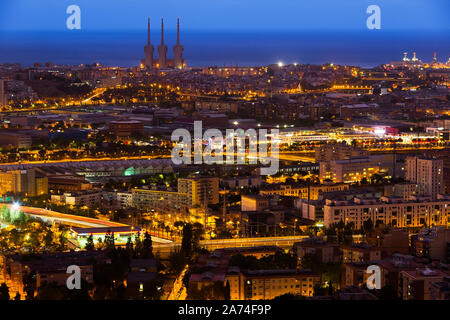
x,y
362,48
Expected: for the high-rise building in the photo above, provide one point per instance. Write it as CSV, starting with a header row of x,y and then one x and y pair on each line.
x,y
428,174
21,182
162,49
200,190
178,50
3,94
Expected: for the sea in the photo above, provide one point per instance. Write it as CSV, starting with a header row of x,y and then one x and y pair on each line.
x,y
365,48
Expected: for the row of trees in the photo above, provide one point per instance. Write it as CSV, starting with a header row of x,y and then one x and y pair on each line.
x,y
29,235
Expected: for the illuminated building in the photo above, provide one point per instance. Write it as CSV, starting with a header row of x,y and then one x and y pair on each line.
x,y
401,190
178,50
413,63
161,200
304,192
268,284
126,129
87,198
121,234
329,152
360,252
234,71
428,174
41,184
162,49
396,212
162,62
254,202
193,193
200,190
20,182
148,49
348,170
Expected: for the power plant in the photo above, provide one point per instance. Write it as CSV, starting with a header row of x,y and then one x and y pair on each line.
x,y
162,62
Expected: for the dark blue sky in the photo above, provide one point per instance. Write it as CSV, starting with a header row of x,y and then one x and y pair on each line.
x,y
226,14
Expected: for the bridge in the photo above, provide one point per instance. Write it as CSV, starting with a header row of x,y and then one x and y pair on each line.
x,y
164,250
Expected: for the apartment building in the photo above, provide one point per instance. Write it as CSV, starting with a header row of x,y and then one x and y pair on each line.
x,y
417,284
416,212
200,190
428,174
325,252
159,199
254,202
349,170
268,284
402,190
302,191
88,199
433,243
338,151
22,182
360,252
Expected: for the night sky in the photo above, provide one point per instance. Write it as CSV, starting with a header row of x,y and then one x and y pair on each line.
x,y
226,14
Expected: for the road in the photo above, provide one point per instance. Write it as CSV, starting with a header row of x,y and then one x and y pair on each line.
x,y
75,221
164,250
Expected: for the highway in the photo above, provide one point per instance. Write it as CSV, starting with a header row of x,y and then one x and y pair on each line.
x,y
74,221
163,246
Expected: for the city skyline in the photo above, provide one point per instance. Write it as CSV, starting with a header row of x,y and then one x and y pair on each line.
x,y
243,151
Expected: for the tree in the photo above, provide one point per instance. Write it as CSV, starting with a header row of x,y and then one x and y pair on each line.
x,y
62,241
129,246
6,215
147,246
186,242
138,246
48,238
330,288
109,240
177,261
90,243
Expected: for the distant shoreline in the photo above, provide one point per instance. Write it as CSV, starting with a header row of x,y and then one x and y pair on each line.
x,y
218,48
